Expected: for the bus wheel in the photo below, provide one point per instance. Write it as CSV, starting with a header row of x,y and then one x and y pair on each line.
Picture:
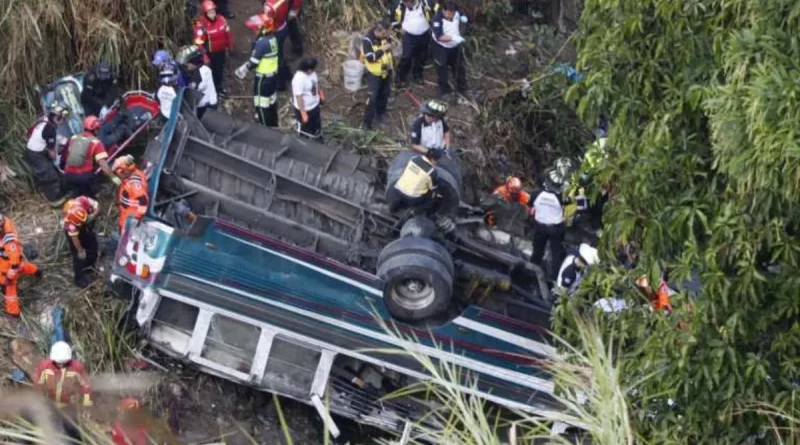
x,y
418,244
417,285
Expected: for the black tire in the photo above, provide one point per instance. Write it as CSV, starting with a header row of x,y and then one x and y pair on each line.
x,y
418,226
422,246
403,274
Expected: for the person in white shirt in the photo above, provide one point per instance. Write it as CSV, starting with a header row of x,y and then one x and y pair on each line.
x,y
447,51
166,94
203,83
413,17
548,215
307,98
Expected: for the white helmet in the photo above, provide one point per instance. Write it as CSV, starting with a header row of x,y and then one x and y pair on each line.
x,y
60,352
588,254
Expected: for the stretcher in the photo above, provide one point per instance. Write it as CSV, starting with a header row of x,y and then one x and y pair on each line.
x,y
125,120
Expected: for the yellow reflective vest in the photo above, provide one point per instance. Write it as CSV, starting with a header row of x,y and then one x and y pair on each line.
x,y
377,61
417,179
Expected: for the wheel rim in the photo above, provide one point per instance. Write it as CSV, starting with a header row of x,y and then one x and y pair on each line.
x,y
413,294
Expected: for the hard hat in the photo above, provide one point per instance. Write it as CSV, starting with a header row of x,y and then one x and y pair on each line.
x,y
588,254
553,181
161,57
124,163
60,352
91,123
74,212
187,54
263,22
563,167
58,109
434,108
207,6
103,71
514,184
129,404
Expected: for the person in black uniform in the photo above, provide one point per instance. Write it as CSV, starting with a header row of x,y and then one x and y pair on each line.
x,y
448,49
376,52
548,215
417,185
100,90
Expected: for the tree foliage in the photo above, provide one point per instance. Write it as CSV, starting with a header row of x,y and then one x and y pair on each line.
x,y
704,174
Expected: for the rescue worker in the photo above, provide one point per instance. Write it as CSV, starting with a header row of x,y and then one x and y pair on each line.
x,y
12,265
100,90
42,152
62,378
592,159
132,196
202,80
168,67
430,129
416,186
264,59
295,34
128,429
212,34
447,49
413,17
548,215
511,192
279,11
79,214
307,98
574,267
166,95
83,154
376,54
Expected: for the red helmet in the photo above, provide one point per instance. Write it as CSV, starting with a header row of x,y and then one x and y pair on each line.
x,y
207,6
91,123
260,22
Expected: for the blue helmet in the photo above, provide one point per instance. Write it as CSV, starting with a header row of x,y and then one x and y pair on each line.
x,y
161,57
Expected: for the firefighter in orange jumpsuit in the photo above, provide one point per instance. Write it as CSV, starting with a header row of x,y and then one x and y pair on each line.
x,y
511,192
12,265
62,378
132,196
126,431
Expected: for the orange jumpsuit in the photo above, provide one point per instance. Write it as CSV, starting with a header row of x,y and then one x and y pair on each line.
x,y
522,197
132,197
12,265
64,385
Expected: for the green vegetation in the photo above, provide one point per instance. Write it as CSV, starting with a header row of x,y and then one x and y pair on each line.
x,y
704,177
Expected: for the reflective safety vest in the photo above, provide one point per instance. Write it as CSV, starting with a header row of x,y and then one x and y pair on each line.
x,y
78,150
382,66
268,62
595,154
416,179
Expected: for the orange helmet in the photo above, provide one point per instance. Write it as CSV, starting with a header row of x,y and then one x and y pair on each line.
x,y
129,404
514,184
91,123
207,6
124,164
74,213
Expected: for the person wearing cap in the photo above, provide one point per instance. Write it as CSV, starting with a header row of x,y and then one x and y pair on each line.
x,y
12,265
447,48
84,153
413,17
168,68
430,130
79,214
202,80
573,269
307,98
42,151
548,215
132,198
62,378
264,60
213,35
129,428
416,186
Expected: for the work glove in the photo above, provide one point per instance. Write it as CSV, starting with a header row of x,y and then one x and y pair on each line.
x,y
103,112
241,72
82,254
304,117
11,274
116,181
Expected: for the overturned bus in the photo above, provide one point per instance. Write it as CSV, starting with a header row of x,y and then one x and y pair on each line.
x,y
272,261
